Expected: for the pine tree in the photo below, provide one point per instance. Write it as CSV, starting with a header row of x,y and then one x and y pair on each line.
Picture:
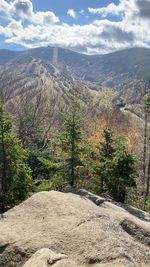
x,y
146,163
101,160
123,171
42,164
15,179
71,144
114,167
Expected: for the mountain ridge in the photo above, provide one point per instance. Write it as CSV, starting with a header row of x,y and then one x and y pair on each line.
x,y
95,68
76,52
123,71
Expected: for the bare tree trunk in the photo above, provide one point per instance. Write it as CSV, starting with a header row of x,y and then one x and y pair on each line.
x,y
145,148
147,178
148,181
72,156
4,176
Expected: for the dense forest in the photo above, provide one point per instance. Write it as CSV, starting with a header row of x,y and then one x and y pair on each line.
x,y
46,145
75,123
74,133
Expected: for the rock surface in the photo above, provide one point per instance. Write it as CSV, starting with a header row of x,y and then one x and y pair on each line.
x,y
45,257
69,230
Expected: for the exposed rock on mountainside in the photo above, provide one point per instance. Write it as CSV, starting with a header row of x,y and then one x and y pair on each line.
x,y
66,229
122,70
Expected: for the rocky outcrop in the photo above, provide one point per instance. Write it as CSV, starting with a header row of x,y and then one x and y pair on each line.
x,y
67,229
45,257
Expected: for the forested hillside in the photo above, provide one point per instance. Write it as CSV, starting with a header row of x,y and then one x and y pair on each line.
x,y
75,119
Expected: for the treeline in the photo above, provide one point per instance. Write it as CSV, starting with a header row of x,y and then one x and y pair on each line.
x,y
30,163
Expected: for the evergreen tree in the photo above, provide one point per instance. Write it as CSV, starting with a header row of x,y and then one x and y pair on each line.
x,y
114,168
123,171
42,164
146,154
101,160
71,145
15,179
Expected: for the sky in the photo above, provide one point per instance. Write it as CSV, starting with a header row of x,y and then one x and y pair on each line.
x,y
86,26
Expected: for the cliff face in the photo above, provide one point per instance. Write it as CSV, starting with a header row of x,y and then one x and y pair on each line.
x,y
66,229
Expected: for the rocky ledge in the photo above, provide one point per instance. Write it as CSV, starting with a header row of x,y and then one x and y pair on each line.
x,y
74,229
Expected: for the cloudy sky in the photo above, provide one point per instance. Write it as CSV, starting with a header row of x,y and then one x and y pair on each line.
x,y
88,26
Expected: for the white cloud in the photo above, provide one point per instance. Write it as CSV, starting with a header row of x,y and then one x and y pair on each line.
x,y
100,36
72,13
44,18
23,10
130,8
110,9
82,11
4,6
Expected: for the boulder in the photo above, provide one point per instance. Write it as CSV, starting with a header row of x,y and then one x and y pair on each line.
x,y
67,229
45,257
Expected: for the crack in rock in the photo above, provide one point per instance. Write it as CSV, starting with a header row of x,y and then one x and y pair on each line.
x,y
3,248
136,231
90,219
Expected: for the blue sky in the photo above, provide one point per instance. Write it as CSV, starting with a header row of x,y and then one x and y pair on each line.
x,y
60,7
88,26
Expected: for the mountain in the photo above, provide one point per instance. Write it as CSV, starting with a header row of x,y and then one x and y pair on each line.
x,y
134,62
37,69
67,229
123,70
7,55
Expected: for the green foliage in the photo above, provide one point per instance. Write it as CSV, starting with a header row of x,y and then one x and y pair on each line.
x,y
118,102
70,143
57,183
147,204
42,164
114,168
123,172
135,200
43,186
146,154
15,176
146,104
102,163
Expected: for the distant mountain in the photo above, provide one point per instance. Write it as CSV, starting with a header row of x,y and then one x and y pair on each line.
x,y
133,62
7,55
37,70
122,70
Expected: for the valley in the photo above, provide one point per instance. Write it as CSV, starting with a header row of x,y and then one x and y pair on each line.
x,y
39,85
